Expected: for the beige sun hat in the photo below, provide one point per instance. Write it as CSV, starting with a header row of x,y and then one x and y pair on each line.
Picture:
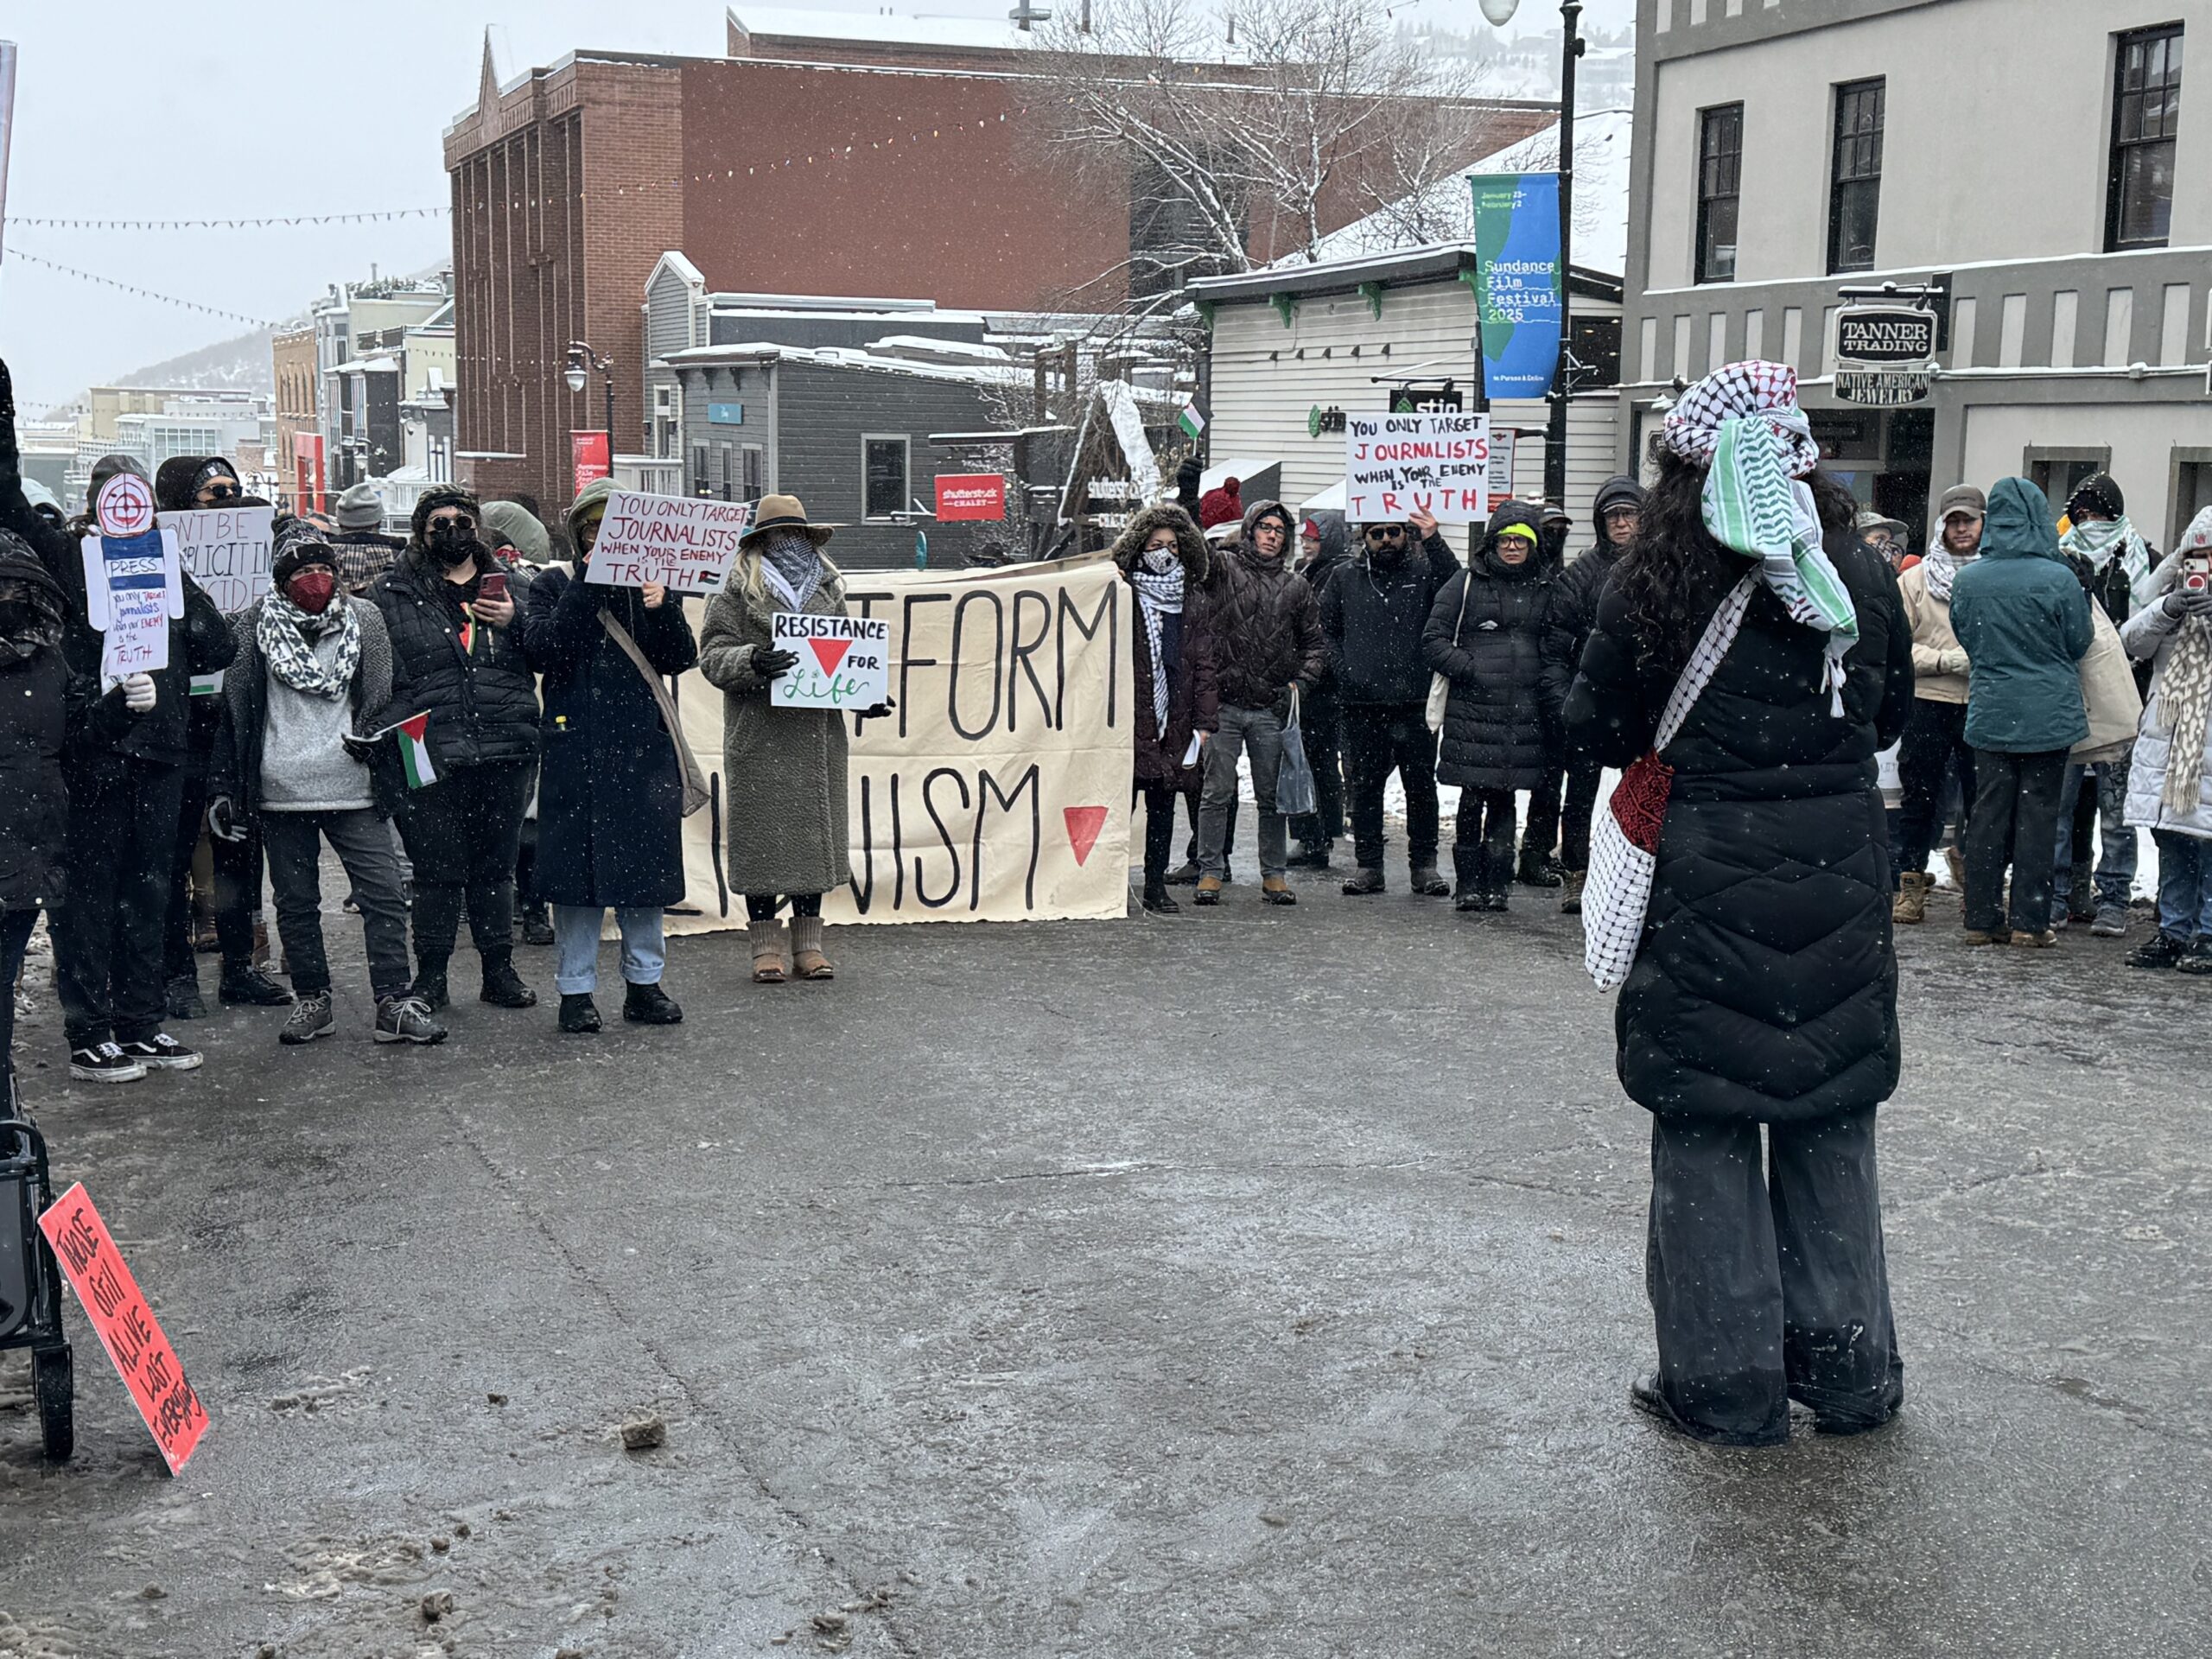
x,y
784,512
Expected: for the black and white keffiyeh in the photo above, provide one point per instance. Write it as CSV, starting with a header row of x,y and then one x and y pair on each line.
x,y
1159,592
287,636
790,564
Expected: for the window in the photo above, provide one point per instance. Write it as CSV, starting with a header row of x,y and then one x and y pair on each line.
x,y
2146,114
699,469
2059,473
1720,181
1855,179
2192,488
883,476
751,455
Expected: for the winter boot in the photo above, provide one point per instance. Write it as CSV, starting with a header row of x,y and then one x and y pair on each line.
x,y
771,943
579,1014
1427,882
430,986
1157,901
1467,871
1911,905
807,960
1208,890
1538,868
1312,856
649,1005
184,1000
2160,951
503,986
245,983
1185,875
1363,882
1276,891
536,926
1570,897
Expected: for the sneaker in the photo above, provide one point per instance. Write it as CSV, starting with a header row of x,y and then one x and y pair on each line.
x,y
649,1005
579,1014
310,1020
2111,922
2197,959
407,1019
162,1053
184,1000
249,985
2159,950
503,988
2042,941
104,1063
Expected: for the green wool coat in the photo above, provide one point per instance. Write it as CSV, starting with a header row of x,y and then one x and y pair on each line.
x,y
783,769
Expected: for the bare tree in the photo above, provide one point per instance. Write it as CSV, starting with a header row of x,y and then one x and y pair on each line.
x,y
1244,149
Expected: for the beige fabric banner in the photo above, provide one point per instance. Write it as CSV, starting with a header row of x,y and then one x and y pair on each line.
x,y
998,788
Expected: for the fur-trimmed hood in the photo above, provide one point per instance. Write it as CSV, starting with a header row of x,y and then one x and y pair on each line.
x,y
1197,560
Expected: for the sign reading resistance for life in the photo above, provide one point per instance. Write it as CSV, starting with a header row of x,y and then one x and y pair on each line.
x,y
677,542
844,662
1397,465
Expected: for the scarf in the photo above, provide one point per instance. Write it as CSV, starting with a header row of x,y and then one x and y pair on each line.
x,y
791,564
1742,423
2100,540
1159,592
1942,567
291,656
2184,693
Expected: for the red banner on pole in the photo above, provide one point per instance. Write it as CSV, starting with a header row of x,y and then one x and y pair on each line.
x,y
970,495
589,451
307,472
127,1328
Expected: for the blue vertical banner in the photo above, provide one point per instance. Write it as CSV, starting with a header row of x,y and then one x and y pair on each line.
x,y
1520,290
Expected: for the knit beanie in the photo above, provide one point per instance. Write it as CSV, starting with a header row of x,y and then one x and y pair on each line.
x,y
2100,493
1219,506
297,544
359,508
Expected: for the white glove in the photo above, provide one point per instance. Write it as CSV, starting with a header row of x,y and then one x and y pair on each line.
x,y
138,693
1952,662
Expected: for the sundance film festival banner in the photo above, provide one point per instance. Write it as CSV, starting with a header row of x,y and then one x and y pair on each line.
x,y
1519,290
998,788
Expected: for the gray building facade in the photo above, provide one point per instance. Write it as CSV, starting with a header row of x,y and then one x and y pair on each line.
x,y
2045,163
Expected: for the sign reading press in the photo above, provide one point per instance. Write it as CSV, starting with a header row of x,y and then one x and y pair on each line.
x,y
1519,292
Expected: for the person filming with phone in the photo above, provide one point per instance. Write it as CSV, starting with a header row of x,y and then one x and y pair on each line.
x,y
2169,785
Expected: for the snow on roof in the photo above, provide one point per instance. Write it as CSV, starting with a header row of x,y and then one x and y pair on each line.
x,y
914,29
908,345
1001,372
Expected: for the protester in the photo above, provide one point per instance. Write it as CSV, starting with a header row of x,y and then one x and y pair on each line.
x,y
1935,745
458,654
1573,613
1486,635
34,714
1321,554
2111,561
611,790
2023,622
44,504
1540,864
1163,558
364,551
1882,533
2170,783
1266,632
790,841
1372,615
1223,505
522,547
312,679
1765,988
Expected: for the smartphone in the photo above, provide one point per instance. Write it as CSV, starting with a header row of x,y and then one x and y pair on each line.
x,y
495,585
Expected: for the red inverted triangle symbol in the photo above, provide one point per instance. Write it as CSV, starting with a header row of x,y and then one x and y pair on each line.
x,y
829,653
1084,824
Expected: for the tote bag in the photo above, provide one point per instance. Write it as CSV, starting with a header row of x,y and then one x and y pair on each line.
x,y
2109,698
1439,685
1624,844
1294,776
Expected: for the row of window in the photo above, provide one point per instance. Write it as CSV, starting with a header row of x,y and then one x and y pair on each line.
x,y
728,472
2139,182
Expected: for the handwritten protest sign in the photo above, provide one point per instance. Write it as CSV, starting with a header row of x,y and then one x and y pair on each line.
x,y
127,1327
1434,463
844,662
225,550
132,587
682,542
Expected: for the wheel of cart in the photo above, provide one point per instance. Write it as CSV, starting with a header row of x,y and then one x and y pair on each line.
x,y
30,1283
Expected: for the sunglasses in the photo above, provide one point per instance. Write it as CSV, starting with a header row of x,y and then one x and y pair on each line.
x,y
216,492
1386,533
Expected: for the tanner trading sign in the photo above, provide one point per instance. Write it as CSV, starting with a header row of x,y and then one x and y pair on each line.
x,y
1884,354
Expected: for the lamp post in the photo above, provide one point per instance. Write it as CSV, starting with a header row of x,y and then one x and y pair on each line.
x,y
1500,12
582,361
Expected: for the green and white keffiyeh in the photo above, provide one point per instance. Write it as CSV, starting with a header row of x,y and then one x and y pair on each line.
x,y
2100,540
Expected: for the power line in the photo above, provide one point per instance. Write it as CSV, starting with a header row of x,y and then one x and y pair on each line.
x,y
260,223
142,293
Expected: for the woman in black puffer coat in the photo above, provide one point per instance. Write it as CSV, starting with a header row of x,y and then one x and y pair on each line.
x,y
35,689
1764,988
1486,635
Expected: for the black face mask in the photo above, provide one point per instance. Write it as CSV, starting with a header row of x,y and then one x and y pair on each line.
x,y
452,543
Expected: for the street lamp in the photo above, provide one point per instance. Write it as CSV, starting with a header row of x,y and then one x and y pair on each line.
x,y
582,361
1500,12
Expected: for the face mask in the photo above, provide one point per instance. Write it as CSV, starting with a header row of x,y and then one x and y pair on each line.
x,y
451,542
311,590
1159,560
17,618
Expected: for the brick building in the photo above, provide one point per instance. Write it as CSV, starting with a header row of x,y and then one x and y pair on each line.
x,y
799,164
298,410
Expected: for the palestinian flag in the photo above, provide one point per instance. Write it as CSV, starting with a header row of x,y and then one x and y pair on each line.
x,y
415,749
1189,420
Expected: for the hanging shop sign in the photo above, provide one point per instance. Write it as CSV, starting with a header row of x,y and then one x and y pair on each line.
x,y
1885,354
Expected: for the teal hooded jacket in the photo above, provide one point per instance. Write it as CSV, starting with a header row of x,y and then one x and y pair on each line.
x,y
2022,616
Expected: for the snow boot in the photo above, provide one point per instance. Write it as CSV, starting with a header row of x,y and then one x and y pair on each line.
x,y
1911,905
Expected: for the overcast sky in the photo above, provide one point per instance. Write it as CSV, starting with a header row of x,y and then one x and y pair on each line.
x,y
143,109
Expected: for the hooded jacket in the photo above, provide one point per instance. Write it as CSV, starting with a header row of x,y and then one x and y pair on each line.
x,y
1267,623
2024,624
1485,635
1193,695
1373,613
33,728
1575,596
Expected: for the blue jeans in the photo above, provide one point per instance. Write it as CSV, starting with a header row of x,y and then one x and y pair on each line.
x,y
575,934
2184,886
2115,875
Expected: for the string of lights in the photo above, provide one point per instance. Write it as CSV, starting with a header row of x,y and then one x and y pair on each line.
x,y
250,223
141,292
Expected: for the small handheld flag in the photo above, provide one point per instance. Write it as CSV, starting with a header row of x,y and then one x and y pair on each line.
x,y
1189,420
414,748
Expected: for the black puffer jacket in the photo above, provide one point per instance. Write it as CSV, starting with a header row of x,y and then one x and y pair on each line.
x,y
1494,722
483,702
33,725
1766,984
1266,623
1373,613
1575,597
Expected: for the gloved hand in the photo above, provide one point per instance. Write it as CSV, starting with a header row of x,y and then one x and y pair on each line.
x,y
2181,603
771,663
880,709
359,749
138,693
223,820
1952,662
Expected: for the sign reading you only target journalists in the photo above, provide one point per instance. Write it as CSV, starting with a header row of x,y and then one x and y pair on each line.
x,y
677,542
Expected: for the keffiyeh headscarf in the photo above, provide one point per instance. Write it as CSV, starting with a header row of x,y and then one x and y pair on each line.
x,y
1158,578
2185,696
1742,424
2101,540
791,563
1941,566
287,636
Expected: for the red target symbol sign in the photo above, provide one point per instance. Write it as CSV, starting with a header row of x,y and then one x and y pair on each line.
x,y
125,507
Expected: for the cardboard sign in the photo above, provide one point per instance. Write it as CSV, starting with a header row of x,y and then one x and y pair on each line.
x,y
1399,464
132,584
683,543
588,452
226,550
843,662
127,1327
979,495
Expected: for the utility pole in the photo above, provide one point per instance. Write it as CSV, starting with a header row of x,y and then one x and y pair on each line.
x,y
1563,376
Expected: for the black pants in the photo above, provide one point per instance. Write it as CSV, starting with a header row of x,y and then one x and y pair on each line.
x,y
108,960
15,934
1321,720
526,866
1542,835
1934,743
763,906
1380,739
1577,810
1159,828
462,833
1482,840
1768,1290
2015,821
237,888
362,839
